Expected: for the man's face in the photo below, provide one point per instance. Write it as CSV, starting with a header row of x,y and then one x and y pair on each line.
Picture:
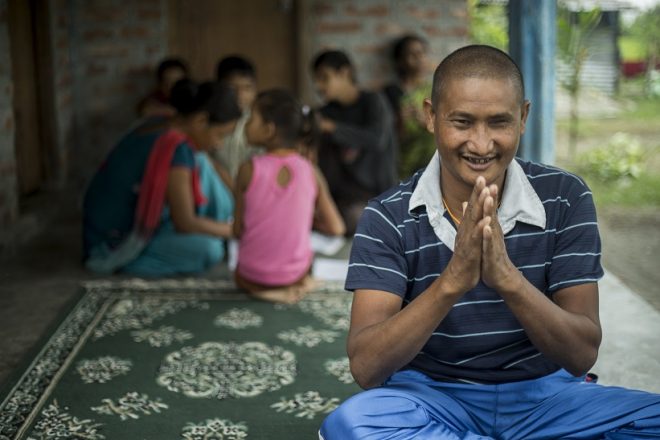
x,y
329,82
246,90
477,128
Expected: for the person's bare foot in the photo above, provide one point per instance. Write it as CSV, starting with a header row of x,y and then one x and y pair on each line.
x,y
290,294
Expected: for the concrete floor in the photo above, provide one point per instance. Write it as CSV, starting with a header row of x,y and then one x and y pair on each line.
x,y
42,279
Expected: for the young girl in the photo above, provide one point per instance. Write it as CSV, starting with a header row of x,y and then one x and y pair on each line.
x,y
280,197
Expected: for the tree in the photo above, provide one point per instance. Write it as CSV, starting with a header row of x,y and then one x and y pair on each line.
x,y
488,24
646,29
573,31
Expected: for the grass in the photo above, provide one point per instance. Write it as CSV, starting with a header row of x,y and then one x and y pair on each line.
x,y
643,191
642,122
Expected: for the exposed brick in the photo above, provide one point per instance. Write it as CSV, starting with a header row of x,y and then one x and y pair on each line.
x,y
389,28
96,69
369,48
135,32
97,34
439,31
339,27
112,17
369,11
107,50
420,13
323,8
149,14
8,124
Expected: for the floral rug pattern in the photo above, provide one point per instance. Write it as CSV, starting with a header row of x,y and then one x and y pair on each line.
x,y
184,359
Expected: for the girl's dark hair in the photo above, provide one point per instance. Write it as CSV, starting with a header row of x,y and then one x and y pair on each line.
x,y
170,63
218,100
293,122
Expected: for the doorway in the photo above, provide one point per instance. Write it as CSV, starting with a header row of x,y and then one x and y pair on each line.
x,y
263,31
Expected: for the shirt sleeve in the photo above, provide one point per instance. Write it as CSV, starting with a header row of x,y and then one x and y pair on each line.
x,y
370,136
377,259
577,251
183,157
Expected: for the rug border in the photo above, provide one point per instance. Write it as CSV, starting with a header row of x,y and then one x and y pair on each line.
x,y
100,293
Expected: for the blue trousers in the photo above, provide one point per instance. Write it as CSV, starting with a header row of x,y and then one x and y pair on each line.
x,y
170,252
559,406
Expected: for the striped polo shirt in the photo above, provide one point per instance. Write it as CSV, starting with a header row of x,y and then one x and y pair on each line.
x,y
405,239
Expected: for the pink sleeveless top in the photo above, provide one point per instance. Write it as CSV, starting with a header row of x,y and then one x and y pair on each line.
x,y
275,247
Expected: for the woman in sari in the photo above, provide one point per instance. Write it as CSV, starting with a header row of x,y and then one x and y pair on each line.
x,y
157,206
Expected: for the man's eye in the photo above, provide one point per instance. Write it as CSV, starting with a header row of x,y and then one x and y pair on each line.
x,y
499,122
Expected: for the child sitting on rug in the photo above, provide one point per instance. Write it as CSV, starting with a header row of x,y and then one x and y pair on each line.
x,y
280,197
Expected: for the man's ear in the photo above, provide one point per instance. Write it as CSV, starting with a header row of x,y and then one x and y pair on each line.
x,y
430,115
524,113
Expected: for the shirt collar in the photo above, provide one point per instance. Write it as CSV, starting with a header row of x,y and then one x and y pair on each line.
x,y
519,201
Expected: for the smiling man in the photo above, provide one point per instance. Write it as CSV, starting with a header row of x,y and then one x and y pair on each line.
x,y
475,312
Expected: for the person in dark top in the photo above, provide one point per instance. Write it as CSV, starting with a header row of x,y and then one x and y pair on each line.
x,y
358,148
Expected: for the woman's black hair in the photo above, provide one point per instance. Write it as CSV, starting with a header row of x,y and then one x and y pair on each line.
x,y
170,63
293,121
217,100
400,47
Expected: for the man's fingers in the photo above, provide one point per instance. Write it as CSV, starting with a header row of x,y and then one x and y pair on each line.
x,y
479,185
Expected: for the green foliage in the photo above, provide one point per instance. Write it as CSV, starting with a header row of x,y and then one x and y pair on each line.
x,y
573,31
620,160
632,49
417,144
646,31
643,191
489,24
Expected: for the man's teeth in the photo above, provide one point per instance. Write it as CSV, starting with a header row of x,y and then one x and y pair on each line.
x,y
479,161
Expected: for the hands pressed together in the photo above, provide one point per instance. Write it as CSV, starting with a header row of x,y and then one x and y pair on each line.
x,y
479,250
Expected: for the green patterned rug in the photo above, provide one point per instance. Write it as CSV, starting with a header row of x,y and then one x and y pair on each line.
x,y
184,359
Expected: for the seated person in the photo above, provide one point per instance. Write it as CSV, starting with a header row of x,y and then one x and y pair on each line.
x,y
239,74
358,148
157,103
475,308
156,206
280,197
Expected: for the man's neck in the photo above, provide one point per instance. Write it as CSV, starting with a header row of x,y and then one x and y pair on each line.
x,y
454,193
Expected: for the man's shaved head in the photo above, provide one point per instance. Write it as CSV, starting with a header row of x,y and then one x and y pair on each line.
x,y
476,61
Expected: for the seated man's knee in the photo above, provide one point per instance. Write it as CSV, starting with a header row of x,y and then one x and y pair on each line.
x,y
380,409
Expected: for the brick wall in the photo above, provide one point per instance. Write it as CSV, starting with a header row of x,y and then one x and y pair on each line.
x,y
104,54
366,28
8,181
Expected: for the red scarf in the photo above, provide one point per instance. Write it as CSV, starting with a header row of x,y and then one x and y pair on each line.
x,y
154,183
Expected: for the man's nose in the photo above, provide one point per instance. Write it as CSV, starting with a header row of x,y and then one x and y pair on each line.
x,y
481,140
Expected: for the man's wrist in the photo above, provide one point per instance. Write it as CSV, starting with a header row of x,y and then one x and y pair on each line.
x,y
512,282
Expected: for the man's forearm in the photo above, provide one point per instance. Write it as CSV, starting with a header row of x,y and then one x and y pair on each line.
x,y
379,350
568,339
